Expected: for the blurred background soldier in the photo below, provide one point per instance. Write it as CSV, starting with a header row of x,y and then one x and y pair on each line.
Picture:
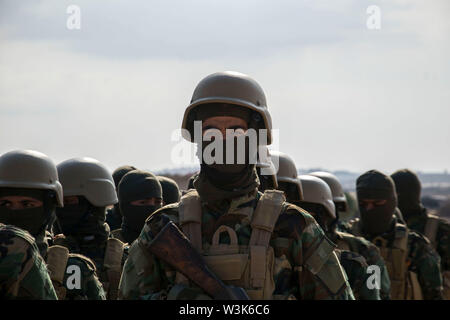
x,y
287,179
318,201
255,241
23,273
171,192
419,219
29,193
413,265
347,241
88,189
113,215
140,194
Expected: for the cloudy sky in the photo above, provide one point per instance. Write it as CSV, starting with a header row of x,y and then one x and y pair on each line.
x,y
342,96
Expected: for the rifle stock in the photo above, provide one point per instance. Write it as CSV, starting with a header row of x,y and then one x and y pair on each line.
x,y
174,248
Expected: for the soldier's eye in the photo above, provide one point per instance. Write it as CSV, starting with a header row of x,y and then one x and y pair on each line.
x,y
27,204
5,203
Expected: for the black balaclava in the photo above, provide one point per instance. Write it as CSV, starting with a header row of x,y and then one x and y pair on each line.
x,y
83,221
376,185
408,188
290,190
33,220
117,176
137,185
265,181
218,183
171,192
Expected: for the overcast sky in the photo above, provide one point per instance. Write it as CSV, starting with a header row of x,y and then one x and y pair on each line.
x,y
341,95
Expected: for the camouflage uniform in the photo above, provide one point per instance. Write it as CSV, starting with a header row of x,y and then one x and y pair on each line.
x,y
23,273
419,219
355,253
296,237
33,174
421,258
355,267
371,255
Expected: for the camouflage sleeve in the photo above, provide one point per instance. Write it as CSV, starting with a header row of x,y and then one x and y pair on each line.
x,y
443,241
355,267
426,263
81,281
23,273
143,275
373,257
311,253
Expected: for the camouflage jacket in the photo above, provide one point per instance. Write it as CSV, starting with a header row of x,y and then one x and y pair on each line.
x,y
418,222
370,253
296,238
421,257
95,251
88,287
23,273
355,267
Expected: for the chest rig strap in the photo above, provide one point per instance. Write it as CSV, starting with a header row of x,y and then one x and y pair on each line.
x,y
190,218
395,257
431,227
263,222
113,265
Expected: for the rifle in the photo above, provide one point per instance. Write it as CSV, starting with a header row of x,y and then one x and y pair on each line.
x,y
174,248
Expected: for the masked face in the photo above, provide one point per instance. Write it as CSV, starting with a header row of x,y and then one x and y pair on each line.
x,y
227,147
377,201
73,215
136,212
376,214
24,209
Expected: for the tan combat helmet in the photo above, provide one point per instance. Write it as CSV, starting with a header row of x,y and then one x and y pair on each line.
x,y
31,170
265,166
315,190
287,171
336,188
89,178
232,88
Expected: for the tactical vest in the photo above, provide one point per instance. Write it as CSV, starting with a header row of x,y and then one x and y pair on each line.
x,y
430,231
57,257
251,266
404,283
112,263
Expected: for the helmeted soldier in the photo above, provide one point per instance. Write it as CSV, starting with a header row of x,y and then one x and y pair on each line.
x,y
287,177
29,193
140,194
347,241
171,192
88,190
419,219
413,265
113,215
318,200
252,240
